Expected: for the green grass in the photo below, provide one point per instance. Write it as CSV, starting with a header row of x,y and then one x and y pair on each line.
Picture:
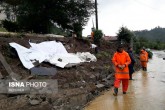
x,y
103,54
3,29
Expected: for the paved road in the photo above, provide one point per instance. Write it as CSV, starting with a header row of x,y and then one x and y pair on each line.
x,y
146,91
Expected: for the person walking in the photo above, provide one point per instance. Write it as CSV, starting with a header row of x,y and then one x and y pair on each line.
x,y
144,59
131,65
92,34
121,60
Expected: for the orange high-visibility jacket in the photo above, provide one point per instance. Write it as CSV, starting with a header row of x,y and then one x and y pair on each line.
x,y
143,56
121,59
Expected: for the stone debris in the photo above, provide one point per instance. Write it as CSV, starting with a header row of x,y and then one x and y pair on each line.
x,y
43,71
34,102
100,85
1,76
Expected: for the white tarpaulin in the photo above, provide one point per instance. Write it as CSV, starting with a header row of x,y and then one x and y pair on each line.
x,y
50,51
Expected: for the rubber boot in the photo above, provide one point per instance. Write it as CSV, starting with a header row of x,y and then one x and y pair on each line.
x,y
145,68
130,76
124,92
115,91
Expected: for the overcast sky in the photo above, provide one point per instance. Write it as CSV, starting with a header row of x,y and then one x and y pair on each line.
x,y
134,14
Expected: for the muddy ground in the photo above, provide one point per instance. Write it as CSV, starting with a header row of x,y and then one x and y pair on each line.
x,y
77,85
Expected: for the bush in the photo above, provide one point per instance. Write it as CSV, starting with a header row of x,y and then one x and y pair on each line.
x,y
97,36
10,26
150,54
2,29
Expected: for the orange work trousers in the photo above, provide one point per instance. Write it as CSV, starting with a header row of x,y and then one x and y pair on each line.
x,y
124,84
143,63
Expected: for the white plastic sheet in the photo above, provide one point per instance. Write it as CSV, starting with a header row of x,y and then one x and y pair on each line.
x,y
93,46
50,51
23,54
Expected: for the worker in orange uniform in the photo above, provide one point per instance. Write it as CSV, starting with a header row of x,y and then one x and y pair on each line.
x,y
144,59
92,35
121,60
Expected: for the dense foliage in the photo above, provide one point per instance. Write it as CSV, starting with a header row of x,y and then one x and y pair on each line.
x,y
143,42
10,26
40,15
153,39
156,34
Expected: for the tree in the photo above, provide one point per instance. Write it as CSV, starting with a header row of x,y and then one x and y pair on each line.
x,y
39,15
125,34
10,8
